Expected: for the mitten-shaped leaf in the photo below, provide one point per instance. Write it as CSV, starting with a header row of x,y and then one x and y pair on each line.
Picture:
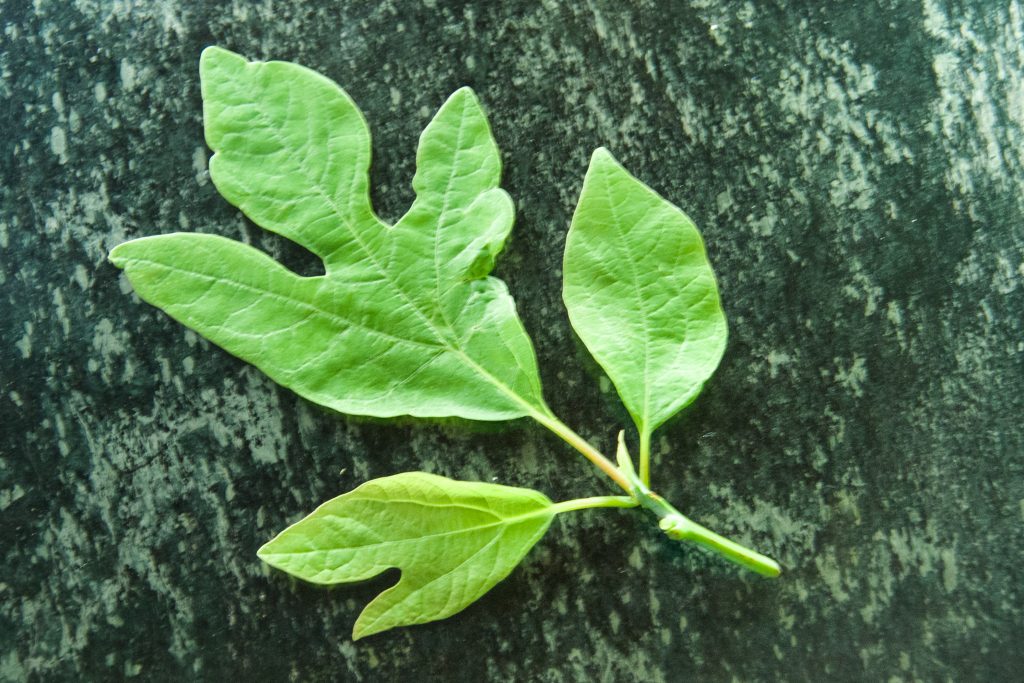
x,y
453,541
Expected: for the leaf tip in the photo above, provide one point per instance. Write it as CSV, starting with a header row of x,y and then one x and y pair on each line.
x,y
465,97
465,91
125,253
218,66
364,628
602,161
269,556
214,56
118,257
602,155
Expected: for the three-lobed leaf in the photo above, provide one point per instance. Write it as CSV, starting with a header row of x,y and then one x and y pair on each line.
x,y
452,540
406,320
641,293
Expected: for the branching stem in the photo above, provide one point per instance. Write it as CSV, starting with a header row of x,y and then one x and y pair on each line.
x,y
675,524
579,443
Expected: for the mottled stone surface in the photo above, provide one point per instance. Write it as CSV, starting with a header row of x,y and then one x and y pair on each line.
x,y
858,171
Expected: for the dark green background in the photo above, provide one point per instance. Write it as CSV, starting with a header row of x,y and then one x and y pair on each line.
x,y
857,170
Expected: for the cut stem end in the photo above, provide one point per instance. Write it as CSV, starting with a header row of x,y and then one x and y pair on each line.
x,y
680,528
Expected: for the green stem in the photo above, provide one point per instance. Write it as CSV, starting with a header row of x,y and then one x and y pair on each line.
x,y
595,502
580,444
675,525
645,456
679,527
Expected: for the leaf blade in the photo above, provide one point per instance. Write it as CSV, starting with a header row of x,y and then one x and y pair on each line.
x,y
457,345
453,541
641,294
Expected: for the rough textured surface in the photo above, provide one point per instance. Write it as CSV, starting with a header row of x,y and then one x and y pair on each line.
x,y
857,170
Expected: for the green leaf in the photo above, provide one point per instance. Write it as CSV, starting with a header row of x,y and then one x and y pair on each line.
x,y
406,320
641,293
453,541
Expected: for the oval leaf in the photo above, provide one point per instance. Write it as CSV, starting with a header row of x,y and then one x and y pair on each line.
x,y
641,293
453,541
406,320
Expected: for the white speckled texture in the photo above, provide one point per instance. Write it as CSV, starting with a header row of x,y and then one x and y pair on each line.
x,y
857,169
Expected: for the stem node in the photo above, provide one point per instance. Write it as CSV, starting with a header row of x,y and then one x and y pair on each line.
x,y
675,524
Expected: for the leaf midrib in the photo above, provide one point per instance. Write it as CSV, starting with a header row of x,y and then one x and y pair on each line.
x,y
443,213
503,522
641,302
300,303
